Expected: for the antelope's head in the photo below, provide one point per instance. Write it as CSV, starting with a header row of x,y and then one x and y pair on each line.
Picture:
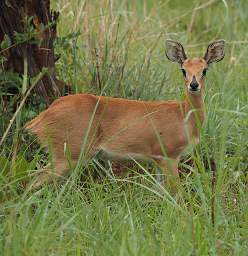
x,y
194,70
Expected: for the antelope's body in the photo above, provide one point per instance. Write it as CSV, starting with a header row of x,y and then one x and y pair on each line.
x,y
122,128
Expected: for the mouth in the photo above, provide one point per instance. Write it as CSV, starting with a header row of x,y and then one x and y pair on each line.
x,y
194,91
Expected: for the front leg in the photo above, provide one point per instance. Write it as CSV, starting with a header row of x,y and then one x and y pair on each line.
x,y
170,172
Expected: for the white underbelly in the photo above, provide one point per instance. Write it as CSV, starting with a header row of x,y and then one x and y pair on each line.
x,y
112,155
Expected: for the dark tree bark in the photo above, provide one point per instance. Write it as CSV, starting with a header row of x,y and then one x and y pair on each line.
x,y
16,16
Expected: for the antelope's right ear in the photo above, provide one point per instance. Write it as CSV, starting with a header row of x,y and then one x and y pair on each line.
x,y
175,52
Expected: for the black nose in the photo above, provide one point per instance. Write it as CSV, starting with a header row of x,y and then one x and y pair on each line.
x,y
194,85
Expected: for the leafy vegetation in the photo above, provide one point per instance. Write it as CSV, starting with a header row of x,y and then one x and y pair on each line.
x,y
117,48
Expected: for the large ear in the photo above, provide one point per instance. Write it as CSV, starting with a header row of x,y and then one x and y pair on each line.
x,y
175,52
215,52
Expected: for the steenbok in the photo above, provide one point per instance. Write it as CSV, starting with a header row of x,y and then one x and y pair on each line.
x,y
127,129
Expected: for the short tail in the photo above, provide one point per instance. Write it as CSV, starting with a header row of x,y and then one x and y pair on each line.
x,y
35,125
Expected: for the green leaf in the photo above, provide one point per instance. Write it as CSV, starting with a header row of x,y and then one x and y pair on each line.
x,y
21,165
6,42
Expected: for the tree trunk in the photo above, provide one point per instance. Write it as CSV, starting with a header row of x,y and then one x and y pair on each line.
x,y
30,27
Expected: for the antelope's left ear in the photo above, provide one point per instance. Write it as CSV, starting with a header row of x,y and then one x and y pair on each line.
x,y
215,52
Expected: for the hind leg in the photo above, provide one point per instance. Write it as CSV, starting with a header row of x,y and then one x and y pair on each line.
x,y
61,165
49,174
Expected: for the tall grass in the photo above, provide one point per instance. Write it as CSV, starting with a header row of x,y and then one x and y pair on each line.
x,y
117,48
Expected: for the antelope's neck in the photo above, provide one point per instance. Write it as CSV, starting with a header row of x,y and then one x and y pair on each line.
x,y
195,111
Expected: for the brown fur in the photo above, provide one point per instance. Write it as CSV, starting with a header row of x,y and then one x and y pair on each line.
x,y
121,128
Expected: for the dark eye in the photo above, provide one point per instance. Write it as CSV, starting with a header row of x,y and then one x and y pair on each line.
x,y
184,72
204,72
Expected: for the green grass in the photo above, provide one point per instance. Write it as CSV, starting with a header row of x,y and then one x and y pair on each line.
x,y
117,48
